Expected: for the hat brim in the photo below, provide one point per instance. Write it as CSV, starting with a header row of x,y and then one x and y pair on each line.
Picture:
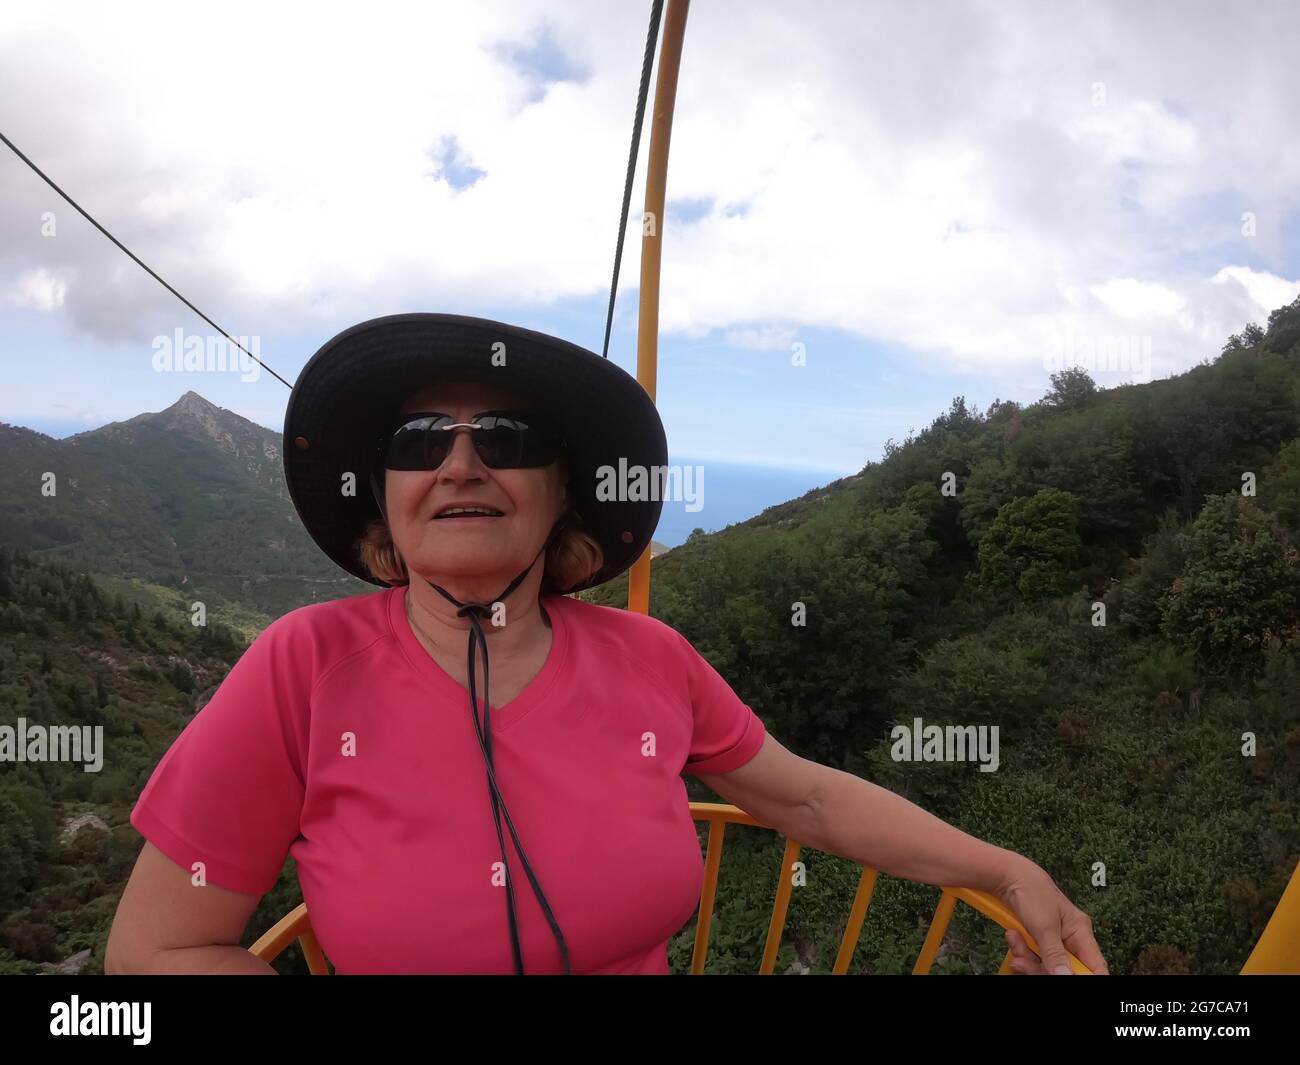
x,y
347,395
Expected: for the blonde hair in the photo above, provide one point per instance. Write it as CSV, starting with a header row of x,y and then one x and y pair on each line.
x,y
573,557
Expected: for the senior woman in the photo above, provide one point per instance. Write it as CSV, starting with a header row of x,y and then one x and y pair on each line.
x,y
444,458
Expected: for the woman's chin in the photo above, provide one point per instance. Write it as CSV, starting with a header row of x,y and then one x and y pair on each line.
x,y
469,564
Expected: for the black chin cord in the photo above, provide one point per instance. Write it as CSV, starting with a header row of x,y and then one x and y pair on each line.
x,y
483,730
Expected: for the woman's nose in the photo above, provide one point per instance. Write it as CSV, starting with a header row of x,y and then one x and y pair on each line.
x,y
462,459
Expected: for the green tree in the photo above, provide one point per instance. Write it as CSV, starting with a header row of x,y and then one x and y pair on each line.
x,y
1141,596
19,853
1071,389
1249,337
1284,329
1279,487
1239,590
1032,546
182,677
993,482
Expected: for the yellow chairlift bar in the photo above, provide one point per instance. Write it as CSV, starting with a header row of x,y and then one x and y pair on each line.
x,y
652,230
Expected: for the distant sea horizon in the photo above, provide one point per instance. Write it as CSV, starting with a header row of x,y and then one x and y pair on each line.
x,y
734,492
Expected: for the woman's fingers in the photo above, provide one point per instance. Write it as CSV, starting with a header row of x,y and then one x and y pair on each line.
x,y
1083,945
1024,960
1058,926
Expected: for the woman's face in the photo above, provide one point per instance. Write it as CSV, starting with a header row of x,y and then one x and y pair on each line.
x,y
490,548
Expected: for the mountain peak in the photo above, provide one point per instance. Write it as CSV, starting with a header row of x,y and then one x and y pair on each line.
x,y
196,418
193,403
201,419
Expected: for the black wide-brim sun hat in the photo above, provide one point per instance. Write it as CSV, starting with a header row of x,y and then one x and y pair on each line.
x,y
348,395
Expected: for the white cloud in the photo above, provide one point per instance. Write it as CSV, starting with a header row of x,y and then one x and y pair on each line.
x,y
38,289
1130,298
1264,290
943,185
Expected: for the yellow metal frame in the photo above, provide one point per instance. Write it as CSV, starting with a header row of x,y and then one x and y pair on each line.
x,y
719,815
293,925
1276,953
656,189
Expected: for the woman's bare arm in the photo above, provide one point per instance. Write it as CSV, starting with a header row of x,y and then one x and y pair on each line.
x,y
165,924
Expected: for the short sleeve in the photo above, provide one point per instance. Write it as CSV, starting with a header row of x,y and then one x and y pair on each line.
x,y
229,791
727,733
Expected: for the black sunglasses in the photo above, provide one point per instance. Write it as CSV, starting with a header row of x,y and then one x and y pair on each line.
x,y
504,440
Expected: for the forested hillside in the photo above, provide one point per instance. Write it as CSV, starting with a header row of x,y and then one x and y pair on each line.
x,y
72,654
1111,578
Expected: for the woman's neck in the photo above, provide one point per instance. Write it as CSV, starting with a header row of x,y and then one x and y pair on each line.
x,y
509,625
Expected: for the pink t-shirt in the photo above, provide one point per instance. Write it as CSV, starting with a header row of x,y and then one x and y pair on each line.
x,y
336,738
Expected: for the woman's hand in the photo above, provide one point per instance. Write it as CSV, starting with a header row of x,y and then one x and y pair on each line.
x,y
1056,924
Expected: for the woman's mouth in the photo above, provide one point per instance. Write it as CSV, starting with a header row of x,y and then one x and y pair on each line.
x,y
467,514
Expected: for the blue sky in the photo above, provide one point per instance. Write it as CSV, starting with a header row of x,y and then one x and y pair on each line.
x,y
723,402
924,210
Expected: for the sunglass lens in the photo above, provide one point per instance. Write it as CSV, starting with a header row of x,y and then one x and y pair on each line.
x,y
510,442
418,445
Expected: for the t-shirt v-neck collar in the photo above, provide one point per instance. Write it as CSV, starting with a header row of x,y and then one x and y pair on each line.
x,y
424,666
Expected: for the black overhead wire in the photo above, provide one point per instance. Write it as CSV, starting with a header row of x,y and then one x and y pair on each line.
x,y
656,9
44,177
